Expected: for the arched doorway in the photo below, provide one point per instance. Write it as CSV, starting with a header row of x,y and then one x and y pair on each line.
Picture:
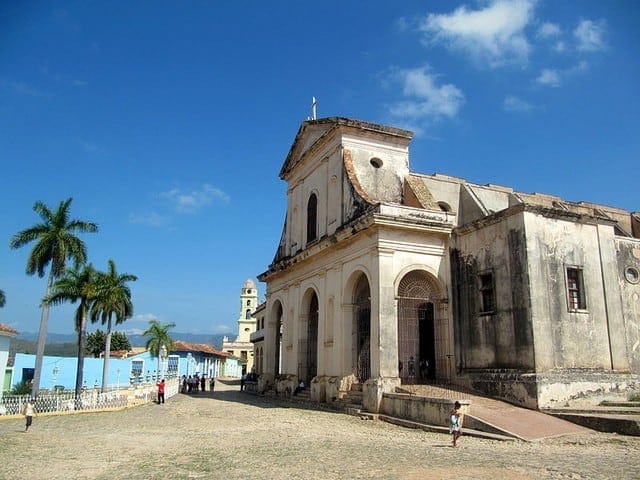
x,y
419,338
308,346
362,329
278,340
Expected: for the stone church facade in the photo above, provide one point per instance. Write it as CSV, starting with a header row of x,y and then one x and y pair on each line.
x,y
385,277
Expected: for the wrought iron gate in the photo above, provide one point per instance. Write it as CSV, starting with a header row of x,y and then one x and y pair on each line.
x,y
421,336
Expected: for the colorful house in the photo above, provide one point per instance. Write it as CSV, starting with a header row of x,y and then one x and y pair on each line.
x,y
185,359
6,334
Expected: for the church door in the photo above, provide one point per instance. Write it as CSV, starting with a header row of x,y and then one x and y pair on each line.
x,y
362,330
416,329
312,340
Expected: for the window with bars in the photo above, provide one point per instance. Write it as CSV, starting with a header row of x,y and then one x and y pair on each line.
x,y
487,294
137,367
575,289
172,364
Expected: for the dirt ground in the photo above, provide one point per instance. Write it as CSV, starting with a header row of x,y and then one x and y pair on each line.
x,y
232,435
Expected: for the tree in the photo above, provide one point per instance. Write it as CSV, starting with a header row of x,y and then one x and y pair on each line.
x,y
120,342
96,343
113,298
158,335
2,299
55,243
77,286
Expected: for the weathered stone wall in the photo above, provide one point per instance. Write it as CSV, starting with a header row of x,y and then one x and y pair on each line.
x,y
628,251
432,411
501,338
566,338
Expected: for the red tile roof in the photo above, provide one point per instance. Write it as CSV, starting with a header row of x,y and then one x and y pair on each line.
x,y
8,330
182,346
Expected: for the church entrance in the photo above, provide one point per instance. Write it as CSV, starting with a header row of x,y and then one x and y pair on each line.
x,y
419,339
362,330
312,335
278,341
308,345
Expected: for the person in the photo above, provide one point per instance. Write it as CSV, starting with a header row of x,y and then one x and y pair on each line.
x,y
212,383
455,423
184,384
203,382
243,379
299,388
161,391
29,411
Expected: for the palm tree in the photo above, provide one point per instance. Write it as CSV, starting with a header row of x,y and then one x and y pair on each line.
x,y
55,244
82,286
113,298
158,336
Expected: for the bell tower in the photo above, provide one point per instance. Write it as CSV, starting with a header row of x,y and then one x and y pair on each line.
x,y
248,305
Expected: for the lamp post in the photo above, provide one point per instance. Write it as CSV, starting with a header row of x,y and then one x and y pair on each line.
x,y
163,359
118,372
54,378
189,364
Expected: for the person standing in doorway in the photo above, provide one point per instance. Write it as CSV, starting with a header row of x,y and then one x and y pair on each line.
x,y
161,392
29,410
455,423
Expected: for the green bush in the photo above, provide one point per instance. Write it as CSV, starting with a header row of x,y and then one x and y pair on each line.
x,y
22,388
634,397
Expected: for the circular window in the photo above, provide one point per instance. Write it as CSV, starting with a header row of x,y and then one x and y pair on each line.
x,y
444,206
632,275
376,162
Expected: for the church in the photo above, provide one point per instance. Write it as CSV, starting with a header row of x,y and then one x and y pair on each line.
x,y
384,277
242,347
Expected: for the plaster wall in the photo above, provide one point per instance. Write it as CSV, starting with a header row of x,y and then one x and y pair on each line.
x,y
628,256
381,182
501,338
444,189
566,338
4,355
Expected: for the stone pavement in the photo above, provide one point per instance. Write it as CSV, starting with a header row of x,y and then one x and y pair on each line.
x,y
235,435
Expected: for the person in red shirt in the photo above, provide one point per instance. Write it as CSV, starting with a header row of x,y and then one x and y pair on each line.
x,y
161,391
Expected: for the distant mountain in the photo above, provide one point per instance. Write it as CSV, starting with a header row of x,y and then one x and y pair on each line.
x,y
135,340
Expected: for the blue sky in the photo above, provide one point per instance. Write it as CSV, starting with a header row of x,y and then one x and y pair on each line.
x,y
168,122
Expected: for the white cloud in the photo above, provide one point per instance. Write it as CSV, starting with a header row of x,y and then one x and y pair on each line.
x,y
151,219
494,34
560,47
23,88
143,319
515,104
194,200
590,36
427,101
548,30
549,77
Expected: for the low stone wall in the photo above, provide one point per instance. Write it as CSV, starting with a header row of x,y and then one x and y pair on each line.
x,y
432,411
558,388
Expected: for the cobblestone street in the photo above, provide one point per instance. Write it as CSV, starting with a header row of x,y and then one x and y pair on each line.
x,y
234,435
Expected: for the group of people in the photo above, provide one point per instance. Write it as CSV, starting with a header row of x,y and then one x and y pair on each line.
x,y
196,383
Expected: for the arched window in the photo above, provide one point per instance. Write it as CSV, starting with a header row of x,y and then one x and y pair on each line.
x,y
247,314
312,218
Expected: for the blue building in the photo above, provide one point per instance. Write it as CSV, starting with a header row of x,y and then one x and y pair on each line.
x,y
185,359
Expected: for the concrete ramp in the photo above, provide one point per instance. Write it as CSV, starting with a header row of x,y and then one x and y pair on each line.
x,y
502,418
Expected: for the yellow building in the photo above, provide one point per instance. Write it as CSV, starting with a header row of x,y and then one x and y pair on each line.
x,y
242,347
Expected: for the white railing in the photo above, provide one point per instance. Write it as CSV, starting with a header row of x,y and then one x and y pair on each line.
x,y
92,399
